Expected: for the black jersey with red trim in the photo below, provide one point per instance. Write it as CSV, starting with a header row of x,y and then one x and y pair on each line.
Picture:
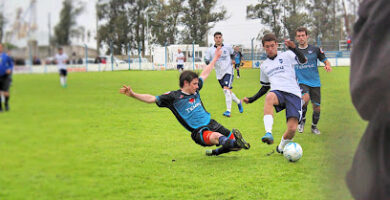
x,y
187,108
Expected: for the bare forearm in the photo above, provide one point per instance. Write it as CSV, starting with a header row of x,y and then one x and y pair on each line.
x,y
147,98
207,70
327,62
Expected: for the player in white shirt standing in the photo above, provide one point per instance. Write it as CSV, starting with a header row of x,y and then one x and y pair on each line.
x,y
277,73
180,60
224,70
61,59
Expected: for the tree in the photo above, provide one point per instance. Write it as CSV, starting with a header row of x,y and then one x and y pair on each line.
x,y
67,24
197,18
166,18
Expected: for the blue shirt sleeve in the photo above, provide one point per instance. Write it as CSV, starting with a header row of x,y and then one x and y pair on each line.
x,y
10,63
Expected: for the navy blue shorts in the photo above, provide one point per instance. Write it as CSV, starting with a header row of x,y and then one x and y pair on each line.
x,y
63,72
237,65
180,67
227,80
290,102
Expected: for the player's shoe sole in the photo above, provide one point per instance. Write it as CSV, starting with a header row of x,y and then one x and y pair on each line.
x,y
315,131
240,140
268,138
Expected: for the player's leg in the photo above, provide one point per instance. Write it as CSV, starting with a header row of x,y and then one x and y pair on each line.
x,y
238,70
6,100
1,94
305,97
229,79
225,83
316,102
270,101
293,116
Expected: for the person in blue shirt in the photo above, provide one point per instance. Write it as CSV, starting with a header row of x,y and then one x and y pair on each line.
x,y
237,59
309,79
6,67
188,109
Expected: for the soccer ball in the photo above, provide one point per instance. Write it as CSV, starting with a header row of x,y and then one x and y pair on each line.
x,y
292,152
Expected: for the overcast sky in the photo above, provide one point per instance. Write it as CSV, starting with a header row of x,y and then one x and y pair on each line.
x,y
236,30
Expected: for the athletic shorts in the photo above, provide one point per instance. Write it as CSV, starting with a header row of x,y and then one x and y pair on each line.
x,y
314,93
63,72
5,83
200,135
237,65
290,102
227,80
180,67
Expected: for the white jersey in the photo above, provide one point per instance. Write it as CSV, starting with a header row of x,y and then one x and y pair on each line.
x,y
61,60
224,63
180,58
280,73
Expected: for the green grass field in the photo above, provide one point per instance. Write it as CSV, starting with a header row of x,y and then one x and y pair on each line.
x,y
90,142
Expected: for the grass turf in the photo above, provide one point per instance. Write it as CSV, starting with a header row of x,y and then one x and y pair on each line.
x,y
89,142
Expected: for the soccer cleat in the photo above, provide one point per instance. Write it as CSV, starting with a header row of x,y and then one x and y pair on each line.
x,y
226,114
6,107
279,151
240,108
238,77
209,152
240,140
315,130
268,138
301,127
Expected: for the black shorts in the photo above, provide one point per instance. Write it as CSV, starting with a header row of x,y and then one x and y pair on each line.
x,y
63,72
197,134
237,65
180,67
5,83
314,93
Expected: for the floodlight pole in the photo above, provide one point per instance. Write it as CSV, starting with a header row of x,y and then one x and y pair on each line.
x,y
128,53
86,57
193,55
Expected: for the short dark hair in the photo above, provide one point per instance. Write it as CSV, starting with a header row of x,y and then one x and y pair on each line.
x,y
187,76
59,48
302,29
217,33
268,38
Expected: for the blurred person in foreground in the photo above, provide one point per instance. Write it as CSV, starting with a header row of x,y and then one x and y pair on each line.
x,y
369,176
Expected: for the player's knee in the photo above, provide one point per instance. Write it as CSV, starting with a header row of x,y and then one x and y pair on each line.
x,y
270,98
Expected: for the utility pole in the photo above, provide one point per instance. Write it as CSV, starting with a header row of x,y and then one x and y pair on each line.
x,y
49,27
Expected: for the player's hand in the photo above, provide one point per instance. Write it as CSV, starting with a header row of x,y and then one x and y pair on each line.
x,y
126,90
246,100
218,52
328,68
290,43
8,71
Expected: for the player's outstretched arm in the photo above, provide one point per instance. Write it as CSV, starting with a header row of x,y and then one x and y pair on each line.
x,y
260,93
206,71
327,67
147,98
291,45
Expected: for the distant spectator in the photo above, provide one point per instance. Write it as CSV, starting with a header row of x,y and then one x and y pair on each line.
x,y
36,61
80,61
349,42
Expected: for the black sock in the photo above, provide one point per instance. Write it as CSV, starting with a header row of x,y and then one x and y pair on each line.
x,y
316,118
6,101
220,150
304,110
238,72
0,103
226,142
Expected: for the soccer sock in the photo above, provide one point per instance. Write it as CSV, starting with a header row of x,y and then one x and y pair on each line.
x,y
62,81
238,72
268,122
65,80
220,150
304,110
0,103
6,101
235,99
228,99
283,143
316,118
226,142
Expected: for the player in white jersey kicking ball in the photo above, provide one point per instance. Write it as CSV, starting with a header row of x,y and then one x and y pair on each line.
x,y
277,73
224,70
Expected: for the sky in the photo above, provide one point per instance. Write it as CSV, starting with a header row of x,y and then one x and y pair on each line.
x,y
236,29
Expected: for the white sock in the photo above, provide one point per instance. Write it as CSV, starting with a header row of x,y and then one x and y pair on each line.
x,y
235,99
62,80
283,143
268,122
228,99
